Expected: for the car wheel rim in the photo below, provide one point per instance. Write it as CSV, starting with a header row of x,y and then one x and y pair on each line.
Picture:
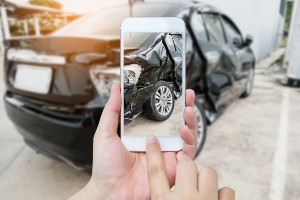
x,y
250,80
163,100
200,127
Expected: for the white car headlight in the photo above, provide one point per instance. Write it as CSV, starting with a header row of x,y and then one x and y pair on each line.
x,y
132,73
27,55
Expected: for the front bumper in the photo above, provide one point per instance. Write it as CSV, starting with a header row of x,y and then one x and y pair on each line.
x,y
67,136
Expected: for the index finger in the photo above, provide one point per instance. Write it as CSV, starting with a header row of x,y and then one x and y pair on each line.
x,y
189,114
189,132
189,97
157,177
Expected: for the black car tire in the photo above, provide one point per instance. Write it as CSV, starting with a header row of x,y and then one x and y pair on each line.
x,y
249,84
201,127
150,108
290,82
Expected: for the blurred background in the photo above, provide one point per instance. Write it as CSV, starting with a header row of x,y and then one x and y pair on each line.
x,y
254,145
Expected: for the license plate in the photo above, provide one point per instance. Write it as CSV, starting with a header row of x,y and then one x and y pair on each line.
x,y
33,79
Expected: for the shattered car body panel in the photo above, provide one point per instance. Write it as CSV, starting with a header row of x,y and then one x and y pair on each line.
x,y
152,62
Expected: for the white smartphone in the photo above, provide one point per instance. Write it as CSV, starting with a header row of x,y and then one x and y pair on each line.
x,y
152,81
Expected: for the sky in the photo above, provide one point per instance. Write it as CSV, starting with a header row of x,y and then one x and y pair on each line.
x,y
82,6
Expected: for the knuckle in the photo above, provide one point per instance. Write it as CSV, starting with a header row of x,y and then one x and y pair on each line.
x,y
157,197
189,109
154,171
154,148
185,195
187,163
190,162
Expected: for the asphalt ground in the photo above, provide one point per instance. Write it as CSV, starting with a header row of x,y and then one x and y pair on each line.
x,y
254,147
143,126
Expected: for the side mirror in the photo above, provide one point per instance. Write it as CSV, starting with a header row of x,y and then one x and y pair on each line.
x,y
248,41
237,43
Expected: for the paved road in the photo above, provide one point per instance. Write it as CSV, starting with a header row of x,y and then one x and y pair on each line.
x,y
244,142
143,126
241,145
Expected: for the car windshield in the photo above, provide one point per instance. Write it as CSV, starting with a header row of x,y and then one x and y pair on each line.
x,y
106,23
138,40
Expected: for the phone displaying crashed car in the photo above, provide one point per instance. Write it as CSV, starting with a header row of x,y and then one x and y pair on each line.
x,y
152,84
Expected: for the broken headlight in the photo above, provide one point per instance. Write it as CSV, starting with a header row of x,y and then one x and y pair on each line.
x,y
103,78
132,73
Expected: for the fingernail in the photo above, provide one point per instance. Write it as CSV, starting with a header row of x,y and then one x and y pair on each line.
x,y
152,140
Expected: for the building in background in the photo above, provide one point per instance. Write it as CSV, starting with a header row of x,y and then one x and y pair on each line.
x,y
22,20
292,57
262,19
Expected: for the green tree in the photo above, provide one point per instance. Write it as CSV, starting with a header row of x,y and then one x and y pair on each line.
x,y
47,3
289,12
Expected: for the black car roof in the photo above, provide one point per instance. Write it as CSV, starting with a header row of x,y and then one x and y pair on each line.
x,y
139,9
200,5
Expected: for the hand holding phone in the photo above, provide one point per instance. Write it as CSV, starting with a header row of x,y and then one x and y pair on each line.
x,y
123,174
152,81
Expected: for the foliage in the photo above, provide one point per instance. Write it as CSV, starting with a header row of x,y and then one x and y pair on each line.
x,y
48,3
288,16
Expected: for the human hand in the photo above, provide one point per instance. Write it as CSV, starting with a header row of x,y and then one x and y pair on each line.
x,y
189,184
120,174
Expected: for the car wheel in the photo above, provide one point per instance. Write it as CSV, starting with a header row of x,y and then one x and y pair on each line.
x,y
161,103
249,84
201,127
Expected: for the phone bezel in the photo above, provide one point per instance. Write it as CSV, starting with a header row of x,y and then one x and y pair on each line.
x,y
152,24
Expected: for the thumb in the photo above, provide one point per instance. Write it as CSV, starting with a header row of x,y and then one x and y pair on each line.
x,y
109,120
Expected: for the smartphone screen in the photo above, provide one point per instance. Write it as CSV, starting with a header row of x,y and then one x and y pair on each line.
x,y
153,83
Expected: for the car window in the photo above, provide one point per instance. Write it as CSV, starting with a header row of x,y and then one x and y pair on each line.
x,y
170,43
198,27
135,40
214,28
177,41
232,32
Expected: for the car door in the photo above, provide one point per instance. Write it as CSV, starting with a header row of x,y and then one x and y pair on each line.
x,y
220,62
235,45
177,56
195,71
174,45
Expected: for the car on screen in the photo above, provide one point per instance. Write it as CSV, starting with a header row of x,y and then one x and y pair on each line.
x,y
152,74
58,85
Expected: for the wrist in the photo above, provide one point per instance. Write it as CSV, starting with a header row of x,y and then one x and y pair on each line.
x,y
91,192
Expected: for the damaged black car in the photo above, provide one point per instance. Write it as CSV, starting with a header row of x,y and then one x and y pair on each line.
x,y
152,75
59,113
